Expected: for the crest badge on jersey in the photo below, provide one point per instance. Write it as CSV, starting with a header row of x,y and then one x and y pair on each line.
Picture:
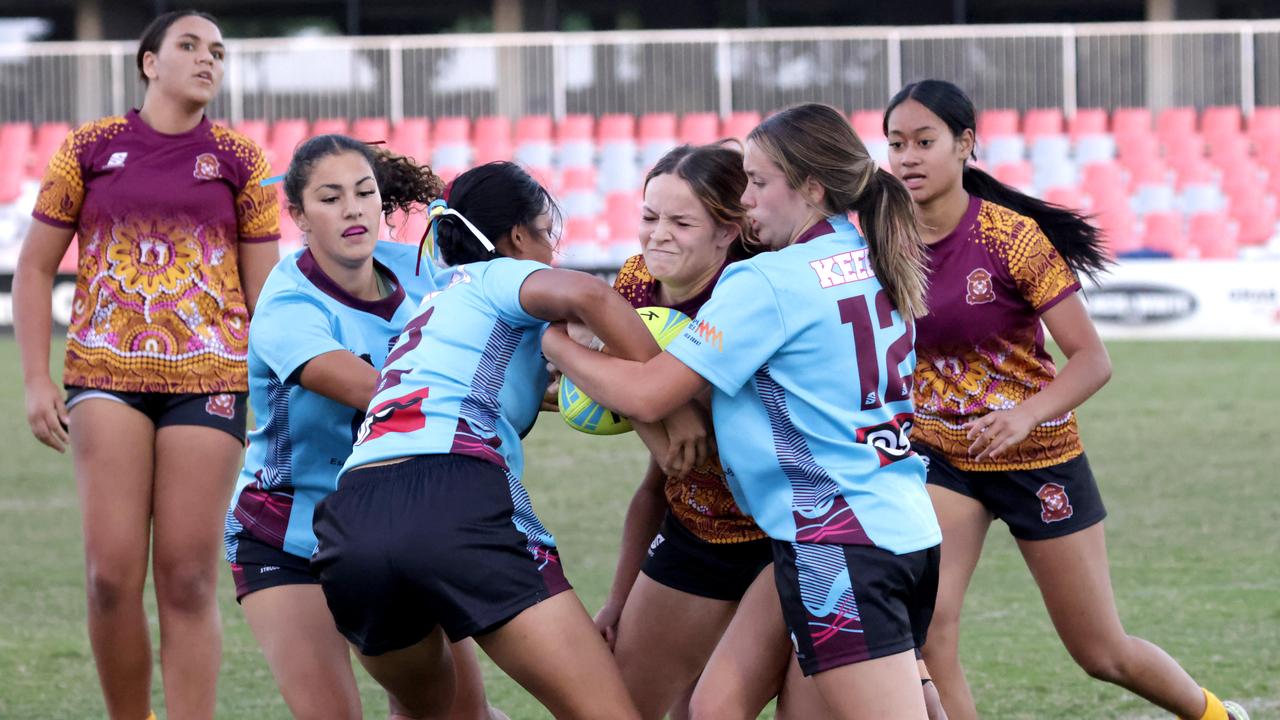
x,y
1054,503
980,290
223,405
206,167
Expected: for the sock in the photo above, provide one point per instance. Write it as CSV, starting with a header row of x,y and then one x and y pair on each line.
x,y
1213,709
151,715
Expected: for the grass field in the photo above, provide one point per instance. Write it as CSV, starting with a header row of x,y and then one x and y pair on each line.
x,y
1183,440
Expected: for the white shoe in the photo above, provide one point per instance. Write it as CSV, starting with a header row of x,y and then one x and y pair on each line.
x,y
1234,711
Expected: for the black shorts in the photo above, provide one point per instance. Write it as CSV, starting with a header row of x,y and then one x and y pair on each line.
x,y
720,571
425,542
846,604
259,566
1036,504
220,411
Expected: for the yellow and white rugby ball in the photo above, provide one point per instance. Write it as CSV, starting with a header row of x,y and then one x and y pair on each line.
x,y
588,416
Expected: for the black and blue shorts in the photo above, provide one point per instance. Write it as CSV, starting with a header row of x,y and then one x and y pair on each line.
x,y
683,561
259,566
846,604
220,411
428,541
1036,504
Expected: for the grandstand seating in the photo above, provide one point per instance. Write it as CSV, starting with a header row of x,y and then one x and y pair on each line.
x,y
1176,183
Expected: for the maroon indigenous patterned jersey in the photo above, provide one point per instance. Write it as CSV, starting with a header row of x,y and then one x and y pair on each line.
x,y
981,347
158,304
702,501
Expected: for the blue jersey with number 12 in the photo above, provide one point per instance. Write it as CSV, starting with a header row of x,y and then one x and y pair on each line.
x,y
811,367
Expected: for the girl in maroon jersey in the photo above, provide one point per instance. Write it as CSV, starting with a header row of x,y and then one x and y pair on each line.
x,y
176,237
995,417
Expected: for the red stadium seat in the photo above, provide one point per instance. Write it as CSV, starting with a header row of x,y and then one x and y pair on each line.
x,y
1226,150
15,146
1220,120
1176,121
1182,149
1018,174
1117,224
657,127
616,128
869,124
622,215
1137,151
699,128
1128,122
1162,232
255,130
1068,198
452,131
286,135
1213,235
1255,209
575,128
1039,122
582,229
1264,122
1087,121
49,138
492,139
371,129
1195,171
997,122
533,128
409,137
329,126
1107,179
578,179
740,124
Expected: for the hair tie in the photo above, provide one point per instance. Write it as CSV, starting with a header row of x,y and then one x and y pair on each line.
x,y
437,211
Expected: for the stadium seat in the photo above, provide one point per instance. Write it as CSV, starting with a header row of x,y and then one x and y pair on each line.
x,y
329,126
657,135
1162,233
738,125
255,130
1264,122
15,146
49,137
997,122
1220,120
409,137
533,141
1130,121
1087,121
286,135
1227,151
578,192
1117,224
1255,210
452,144
1001,149
1107,179
1067,197
616,137
371,129
1184,150
868,124
1017,174
622,216
1213,235
699,128
1057,175
575,140
616,128
1095,148
492,139
1174,123
1042,122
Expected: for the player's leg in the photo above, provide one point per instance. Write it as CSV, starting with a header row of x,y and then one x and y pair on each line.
x,y
964,523
665,637
884,687
552,650
800,699
1075,581
306,654
111,445
196,468
469,703
419,679
747,666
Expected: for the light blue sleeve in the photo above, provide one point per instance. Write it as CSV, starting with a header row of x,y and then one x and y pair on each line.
x,y
289,329
502,280
736,332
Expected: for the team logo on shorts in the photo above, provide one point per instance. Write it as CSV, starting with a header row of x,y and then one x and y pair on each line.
x,y
889,439
206,167
980,290
653,546
223,405
1054,503
402,414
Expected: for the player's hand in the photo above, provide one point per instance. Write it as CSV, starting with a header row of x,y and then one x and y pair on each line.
x,y
606,622
47,413
690,440
996,432
551,398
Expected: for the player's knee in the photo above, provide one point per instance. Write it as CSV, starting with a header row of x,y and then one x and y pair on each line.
x,y
108,589
184,587
711,703
1104,661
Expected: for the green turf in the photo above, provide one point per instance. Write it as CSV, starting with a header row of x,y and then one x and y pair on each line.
x,y
1183,441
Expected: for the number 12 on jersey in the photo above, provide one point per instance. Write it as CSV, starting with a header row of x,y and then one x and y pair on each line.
x,y
855,311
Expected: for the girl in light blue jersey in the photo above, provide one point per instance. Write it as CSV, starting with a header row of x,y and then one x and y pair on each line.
x,y
325,320
808,354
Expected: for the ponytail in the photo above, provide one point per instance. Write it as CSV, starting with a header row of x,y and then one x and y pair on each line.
x,y
1077,240
403,184
887,216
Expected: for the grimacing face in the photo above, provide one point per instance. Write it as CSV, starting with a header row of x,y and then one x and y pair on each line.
x,y
681,242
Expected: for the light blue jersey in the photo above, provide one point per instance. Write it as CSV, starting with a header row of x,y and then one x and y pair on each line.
x,y
302,438
811,367
467,377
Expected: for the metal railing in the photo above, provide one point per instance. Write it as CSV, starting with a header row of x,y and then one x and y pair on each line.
x,y
1155,65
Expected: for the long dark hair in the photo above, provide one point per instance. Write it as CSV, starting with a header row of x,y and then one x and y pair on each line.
x,y
402,183
816,141
154,33
715,175
495,197
1077,240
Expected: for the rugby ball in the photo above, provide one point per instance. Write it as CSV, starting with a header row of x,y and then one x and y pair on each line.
x,y
588,416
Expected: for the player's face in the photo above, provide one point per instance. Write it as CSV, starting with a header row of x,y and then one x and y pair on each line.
x,y
541,234
924,154
778,212
188,63
682,244
341,209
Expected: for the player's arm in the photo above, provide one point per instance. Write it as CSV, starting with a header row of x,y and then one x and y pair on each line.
x,y
567,295
33,279
342,377
1088,368
646,391
256,260
644,516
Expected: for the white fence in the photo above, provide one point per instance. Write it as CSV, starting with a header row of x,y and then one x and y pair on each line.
x,y
1155,65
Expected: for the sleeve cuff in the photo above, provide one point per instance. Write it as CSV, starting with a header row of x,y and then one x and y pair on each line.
x,y
1066,293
